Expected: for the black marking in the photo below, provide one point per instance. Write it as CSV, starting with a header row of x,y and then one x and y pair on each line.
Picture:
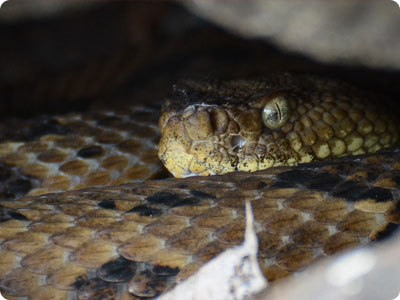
x,y
201,194
182,186
17,216
372,176
118,270
168,199
146,211
5,173
187,201
171,200
80,281
379,194
147,284
338,168
4,216
91,152
284,184
351,190
17,187
108,204
251,183
261,185
97,289
165,270
396,209
324,182
298,175
387,232
346,168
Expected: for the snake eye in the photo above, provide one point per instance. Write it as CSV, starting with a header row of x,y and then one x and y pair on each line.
x,y
276,112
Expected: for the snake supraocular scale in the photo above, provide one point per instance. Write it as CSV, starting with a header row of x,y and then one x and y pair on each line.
x,y
136,240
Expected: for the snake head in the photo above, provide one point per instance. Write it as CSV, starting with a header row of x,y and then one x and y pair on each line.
x,y
216,127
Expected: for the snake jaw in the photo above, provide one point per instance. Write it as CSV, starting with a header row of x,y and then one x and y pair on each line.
x,y
187,152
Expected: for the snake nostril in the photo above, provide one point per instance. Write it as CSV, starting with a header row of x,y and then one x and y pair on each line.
x,y
237,142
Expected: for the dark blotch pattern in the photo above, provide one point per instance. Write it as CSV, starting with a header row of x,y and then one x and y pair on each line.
x,y
298,176
5,173
119,270
187,201
168,199
323,182
4,216
146,211
91,152
201,194
144,280
17,216
17,187
372,176
97,289
182,186
261,185
331,182
387,232
80,281
283,184
395,211
165,271
147,284
379,194
172,200
108,204
342,168
351,190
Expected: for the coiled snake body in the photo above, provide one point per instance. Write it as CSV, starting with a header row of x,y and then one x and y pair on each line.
x,y
135,240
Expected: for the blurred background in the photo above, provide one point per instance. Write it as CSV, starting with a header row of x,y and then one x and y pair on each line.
x,y
63,55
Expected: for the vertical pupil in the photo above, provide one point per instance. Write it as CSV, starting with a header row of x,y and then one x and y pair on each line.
x,y
279,111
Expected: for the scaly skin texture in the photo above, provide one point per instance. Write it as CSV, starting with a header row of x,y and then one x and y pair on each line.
x,y
78,150
216,127
136,240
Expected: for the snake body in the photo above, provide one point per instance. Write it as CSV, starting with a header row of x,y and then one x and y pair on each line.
x,y
136,240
